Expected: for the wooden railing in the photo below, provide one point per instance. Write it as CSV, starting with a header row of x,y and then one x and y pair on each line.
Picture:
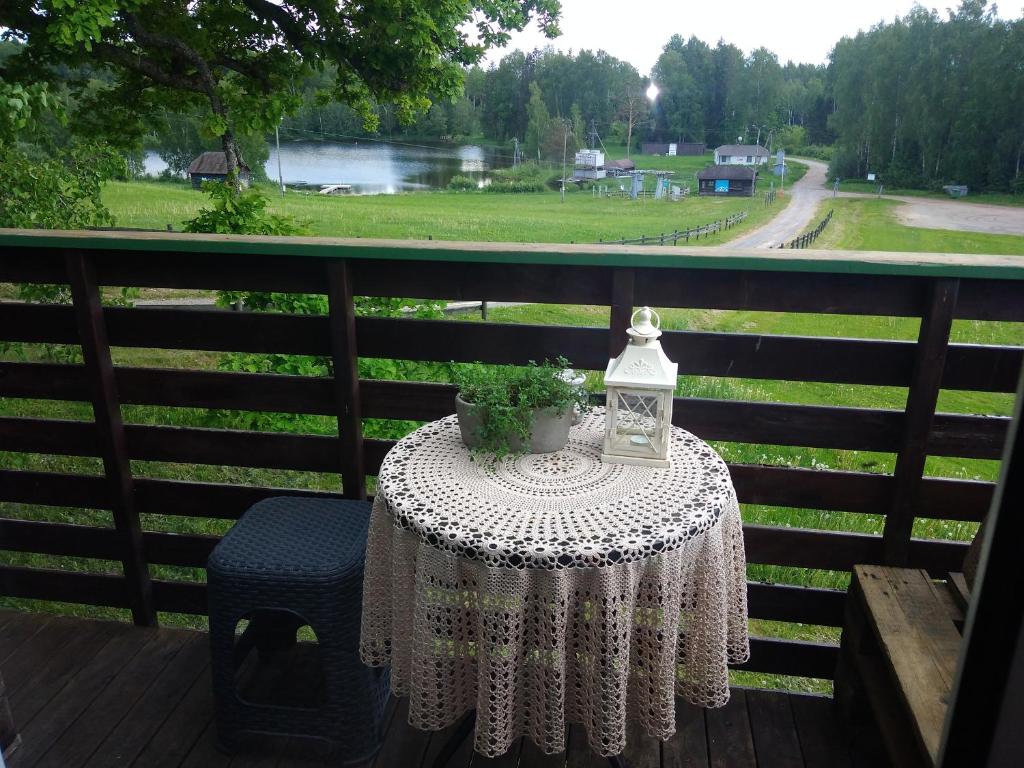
x,y
937,289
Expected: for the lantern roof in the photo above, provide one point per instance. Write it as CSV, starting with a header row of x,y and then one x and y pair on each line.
x,y
643,362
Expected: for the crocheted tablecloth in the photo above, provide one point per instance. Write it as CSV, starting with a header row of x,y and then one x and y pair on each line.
x,y
552,588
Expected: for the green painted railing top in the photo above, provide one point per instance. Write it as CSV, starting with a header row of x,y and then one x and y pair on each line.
x,y
852,262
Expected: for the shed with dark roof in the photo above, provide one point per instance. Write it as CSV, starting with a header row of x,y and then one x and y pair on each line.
x,y
727,181
213,166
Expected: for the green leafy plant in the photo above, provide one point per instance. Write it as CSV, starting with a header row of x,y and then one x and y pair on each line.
x,y
241,214
508,397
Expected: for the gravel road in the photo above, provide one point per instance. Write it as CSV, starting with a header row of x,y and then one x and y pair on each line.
x,y
925,212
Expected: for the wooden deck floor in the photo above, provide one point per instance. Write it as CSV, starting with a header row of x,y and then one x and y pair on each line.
x,y
101,694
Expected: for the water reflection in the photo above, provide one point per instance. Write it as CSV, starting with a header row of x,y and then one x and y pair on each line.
x,y
374,167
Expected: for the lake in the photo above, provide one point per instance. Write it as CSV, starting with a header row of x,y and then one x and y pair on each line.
x,y
373,167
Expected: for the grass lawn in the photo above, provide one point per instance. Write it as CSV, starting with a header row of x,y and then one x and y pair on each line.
x,y
481,216
863,224
991,198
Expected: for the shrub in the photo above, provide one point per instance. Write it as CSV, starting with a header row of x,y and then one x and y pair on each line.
x,y
462,184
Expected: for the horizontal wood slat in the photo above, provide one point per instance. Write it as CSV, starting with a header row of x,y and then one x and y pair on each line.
x,y
812,426
840,551
54,489
65,586
735,355
791,657
980,299
59,539
207,500
833,490
805,605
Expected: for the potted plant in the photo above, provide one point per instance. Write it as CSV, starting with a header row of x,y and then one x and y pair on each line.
x,y
505,409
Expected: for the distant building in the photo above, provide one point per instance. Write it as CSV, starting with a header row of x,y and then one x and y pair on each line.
x,y
213,166
589,164
618,167
741,154
727,181
689,148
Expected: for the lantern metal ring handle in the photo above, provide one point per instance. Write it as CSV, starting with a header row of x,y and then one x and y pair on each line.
x,y
650,314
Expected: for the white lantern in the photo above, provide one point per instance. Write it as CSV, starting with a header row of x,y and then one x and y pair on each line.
x,y
640,383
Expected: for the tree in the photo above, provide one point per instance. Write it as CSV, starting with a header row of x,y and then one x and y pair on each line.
x,y
538,122
238,59
633,110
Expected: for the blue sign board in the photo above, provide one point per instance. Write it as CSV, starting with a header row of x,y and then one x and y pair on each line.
x,y
721,185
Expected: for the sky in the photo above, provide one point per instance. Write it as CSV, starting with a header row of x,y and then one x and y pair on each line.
x,y
800,30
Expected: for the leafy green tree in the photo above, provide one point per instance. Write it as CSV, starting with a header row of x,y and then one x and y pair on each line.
x,y
237,60
538,122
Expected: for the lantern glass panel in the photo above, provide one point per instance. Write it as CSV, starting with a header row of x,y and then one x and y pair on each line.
x,y
636,421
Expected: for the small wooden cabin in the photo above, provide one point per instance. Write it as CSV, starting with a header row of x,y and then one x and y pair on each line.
x,y
727,181
213,166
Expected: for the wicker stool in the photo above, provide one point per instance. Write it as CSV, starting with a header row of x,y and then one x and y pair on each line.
x,y
291,562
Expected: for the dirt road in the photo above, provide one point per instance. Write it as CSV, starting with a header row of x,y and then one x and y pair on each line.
x,y
795,219
957,214
925,212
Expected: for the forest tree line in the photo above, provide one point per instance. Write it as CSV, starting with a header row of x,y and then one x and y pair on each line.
x,y
924,100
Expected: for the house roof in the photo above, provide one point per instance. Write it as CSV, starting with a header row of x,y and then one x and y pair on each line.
x,y
742,149
731,172
212,163
622,165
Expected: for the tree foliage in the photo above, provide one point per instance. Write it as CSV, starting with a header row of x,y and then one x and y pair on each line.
x,y
924,101
238,61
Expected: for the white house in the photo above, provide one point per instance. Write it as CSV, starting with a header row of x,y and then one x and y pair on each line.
x,y
741,154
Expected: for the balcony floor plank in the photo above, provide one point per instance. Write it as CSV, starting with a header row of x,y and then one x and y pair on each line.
x,y
93,693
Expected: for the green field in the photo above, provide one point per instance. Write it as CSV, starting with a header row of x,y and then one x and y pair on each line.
x,y
863,224
871,188
530,217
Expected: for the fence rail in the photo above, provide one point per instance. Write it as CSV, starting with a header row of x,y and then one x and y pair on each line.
x,y
707,230
804,240
979,288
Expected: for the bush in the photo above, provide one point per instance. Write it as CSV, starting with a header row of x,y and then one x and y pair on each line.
x,y
240,213
507,187
816,151
462,184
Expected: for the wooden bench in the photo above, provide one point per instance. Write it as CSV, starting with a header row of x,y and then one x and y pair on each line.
x,y
898,660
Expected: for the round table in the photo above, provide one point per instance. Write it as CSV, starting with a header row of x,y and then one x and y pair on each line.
x,y
543,589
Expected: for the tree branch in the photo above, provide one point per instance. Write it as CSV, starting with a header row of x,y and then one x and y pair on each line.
x,y
147,67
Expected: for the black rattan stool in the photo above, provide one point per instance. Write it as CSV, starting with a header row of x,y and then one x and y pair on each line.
x,y
291,562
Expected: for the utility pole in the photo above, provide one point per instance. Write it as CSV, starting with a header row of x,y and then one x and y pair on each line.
x,y
280,178
565,145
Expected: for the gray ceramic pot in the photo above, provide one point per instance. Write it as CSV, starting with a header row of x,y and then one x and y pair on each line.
x,y
550,430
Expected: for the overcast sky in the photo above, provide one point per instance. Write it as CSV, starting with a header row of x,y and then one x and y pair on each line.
x,y
801,30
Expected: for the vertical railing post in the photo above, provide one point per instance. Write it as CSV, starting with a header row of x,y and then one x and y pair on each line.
x,y
110,433
623,279
925,383
345,359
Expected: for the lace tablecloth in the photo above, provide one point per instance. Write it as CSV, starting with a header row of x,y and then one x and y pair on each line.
x,y
552,588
